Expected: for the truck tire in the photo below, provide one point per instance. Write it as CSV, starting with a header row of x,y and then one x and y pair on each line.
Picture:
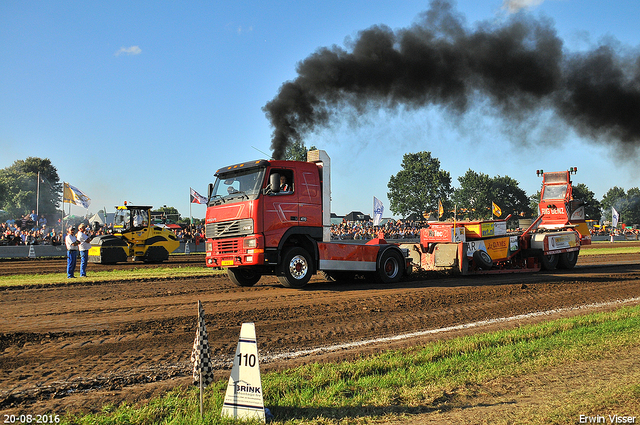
x,y
296,268
243,276
391,267
568,260
549,262
482,259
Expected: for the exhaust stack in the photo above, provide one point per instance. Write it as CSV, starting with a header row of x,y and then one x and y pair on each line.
x,y
322,160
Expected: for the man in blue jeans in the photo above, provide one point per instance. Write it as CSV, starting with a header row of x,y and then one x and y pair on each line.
x,y
83,240
72,252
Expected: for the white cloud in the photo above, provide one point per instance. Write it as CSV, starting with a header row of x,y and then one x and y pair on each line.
x,y
133,50
513,6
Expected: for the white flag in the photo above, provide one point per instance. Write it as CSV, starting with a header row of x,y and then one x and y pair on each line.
x,y
378,210
615,217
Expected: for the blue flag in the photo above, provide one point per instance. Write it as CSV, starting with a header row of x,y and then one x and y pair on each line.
x,y
378,210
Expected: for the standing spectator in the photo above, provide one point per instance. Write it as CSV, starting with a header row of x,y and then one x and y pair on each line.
x,y
72,252
83,240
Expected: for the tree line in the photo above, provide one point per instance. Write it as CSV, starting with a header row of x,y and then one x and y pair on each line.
x,y
21,192
418,188
421,186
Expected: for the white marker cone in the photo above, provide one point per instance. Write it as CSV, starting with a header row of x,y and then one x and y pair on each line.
x,y
243,399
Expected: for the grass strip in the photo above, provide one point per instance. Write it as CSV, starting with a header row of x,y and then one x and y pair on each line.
x,y
610,250
168,272
107,275
394,384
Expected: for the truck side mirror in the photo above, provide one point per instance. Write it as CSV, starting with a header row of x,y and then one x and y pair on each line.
x,y
274,184
210,190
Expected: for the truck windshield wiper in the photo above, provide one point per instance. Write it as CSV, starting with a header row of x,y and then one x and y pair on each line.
x,y
240,192
213,198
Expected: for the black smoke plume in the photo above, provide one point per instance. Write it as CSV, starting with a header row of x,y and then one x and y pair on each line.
x,y
519,66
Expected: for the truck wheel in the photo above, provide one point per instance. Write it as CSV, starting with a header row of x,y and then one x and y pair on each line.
x,y
296,266
549,262
567,260
482,259
243,276
391,267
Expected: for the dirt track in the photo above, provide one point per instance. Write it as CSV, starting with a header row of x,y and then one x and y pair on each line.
x,y
75,348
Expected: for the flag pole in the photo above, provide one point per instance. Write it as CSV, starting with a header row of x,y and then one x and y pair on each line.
x,y
38,197
201,396
62,212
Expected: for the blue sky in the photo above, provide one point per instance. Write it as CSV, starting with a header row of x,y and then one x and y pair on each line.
x,y
139,101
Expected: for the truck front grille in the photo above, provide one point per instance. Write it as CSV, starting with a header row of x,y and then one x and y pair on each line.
x,y
225,247
229,229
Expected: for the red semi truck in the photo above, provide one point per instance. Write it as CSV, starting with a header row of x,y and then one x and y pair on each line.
x,y
253,228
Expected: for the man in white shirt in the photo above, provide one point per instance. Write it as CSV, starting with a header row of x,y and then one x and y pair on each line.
x,y
72,252
84,246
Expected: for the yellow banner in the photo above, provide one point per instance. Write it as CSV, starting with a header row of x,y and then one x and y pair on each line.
x,y
496,210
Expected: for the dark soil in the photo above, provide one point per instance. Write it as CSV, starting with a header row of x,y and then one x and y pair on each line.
x,y
75,348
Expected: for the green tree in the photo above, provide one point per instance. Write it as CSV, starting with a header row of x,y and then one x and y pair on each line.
x,y
19,187
633,206
478,191
297,151
170,213
511,199
592,208
626,203
473,197
534,202
419,185
615,197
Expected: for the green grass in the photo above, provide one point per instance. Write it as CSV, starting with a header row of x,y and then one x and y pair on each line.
x,y
611,250
166,272
94,275
419,380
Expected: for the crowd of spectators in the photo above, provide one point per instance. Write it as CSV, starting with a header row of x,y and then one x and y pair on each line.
x,y
627,233
33,230
406,229
194,234
365,230
29,230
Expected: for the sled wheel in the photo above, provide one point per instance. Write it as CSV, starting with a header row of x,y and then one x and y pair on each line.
x,y
549,262
568,260
482,259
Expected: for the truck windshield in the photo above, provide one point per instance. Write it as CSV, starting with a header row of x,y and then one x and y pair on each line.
x,y
554,192
237,186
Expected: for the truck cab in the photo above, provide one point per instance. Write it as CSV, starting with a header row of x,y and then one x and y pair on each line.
x,y
254,228
558,209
